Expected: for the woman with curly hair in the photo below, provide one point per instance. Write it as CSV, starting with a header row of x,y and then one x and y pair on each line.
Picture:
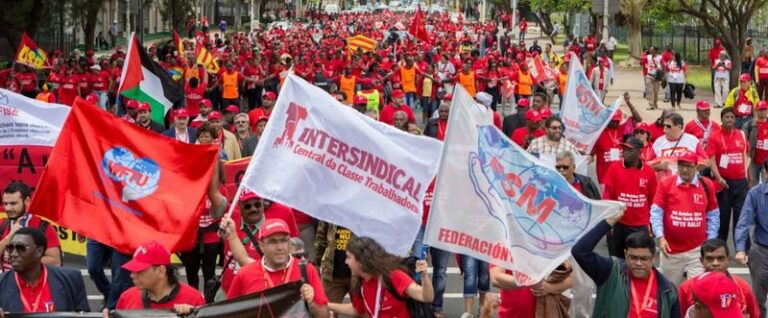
x,y
380,283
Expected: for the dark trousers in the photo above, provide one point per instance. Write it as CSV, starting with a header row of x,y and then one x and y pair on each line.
x,y
758,272
730,201
254,97
192,261
762,89
496,94
676,93
97,256
617,238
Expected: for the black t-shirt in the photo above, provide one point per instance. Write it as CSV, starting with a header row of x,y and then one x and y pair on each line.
x,y
340,268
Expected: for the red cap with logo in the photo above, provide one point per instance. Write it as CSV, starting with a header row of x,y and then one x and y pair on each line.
x,y
206,102
147,255
273,226
524,103
398,93
232,109
643,126
92,99
182,113
132,104
745,77
718,293
762,105
617,115
689,157
144,106
270,95
247,194
360,100
533,116
703,105
214,115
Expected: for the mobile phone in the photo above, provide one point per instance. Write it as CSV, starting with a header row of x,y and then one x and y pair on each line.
x,y
421,255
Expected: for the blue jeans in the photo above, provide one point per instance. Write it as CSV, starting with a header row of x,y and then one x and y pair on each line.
x,y
439,276
476,277
410,99
96,257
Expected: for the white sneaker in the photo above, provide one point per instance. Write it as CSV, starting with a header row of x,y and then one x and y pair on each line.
x,y
467,315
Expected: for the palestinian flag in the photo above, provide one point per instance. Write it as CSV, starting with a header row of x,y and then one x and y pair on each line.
x,y
146,81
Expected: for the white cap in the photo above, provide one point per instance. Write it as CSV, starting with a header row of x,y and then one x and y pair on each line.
x,y
96,67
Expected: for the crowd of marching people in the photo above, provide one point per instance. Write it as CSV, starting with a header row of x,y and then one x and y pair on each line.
x,y
687,188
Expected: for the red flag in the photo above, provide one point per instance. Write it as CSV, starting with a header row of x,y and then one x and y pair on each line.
x,y
122,185
418,29
29,54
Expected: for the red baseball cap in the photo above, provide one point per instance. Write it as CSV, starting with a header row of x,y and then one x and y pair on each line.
x,y
643,126
448,96
689,157
273,226
533,116
762,105
545,112
214,115
182,113
397,93
232,109
745,77
206,102
132,104
703,105
617,115
247,194
524,103
270,95
147,255
144,106
360,100
92,99
718,293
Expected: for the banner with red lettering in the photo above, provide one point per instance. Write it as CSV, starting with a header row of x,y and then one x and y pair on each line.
x,y
25,121
338,165
496,202
584,115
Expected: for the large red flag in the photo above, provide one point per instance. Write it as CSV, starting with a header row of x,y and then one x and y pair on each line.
x,y
418,28
122,185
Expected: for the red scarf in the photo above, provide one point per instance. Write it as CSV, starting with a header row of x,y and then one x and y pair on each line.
x,y
441,128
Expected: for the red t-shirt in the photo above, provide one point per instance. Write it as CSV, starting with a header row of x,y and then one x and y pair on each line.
x,y
516,303
253,278
30,293
635,187
85,83
26,81
255,114
231,268
745,297
685,212
131,299
656,131
728,149
518,136
761,148
697,129
68,89
390,307
193,97
649,307
761,65
387,114
32,221
607,150
100,81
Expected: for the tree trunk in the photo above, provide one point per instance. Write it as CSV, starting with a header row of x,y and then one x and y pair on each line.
x,y
635,35
238,14
545,22
89,25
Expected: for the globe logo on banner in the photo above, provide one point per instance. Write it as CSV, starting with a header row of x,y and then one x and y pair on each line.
x,y
139,177
590,120
516,190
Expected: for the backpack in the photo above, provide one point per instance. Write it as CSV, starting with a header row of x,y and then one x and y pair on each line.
x,y
416,309
43,227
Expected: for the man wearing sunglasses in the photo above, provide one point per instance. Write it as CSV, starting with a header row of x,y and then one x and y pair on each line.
x,y
667,148
553,142
16,197
245,137
35,287
248,218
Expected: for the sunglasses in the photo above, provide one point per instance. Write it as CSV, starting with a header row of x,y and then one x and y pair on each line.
x,y
248,206
556,127
562,167
241,122
20,248
668,126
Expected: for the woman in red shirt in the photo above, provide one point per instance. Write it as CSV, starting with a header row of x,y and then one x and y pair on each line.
x,y
69,88
372,295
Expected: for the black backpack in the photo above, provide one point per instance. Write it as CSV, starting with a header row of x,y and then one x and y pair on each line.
x,y
416,309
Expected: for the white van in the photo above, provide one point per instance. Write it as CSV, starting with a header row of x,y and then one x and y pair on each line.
x,y
331,9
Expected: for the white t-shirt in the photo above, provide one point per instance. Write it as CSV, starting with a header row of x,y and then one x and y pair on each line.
x,y
676,72
665,148
611,44
722,71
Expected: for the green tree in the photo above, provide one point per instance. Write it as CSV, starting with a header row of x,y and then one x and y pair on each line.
x,y
175,12
17,17
88,12
726,20
544,9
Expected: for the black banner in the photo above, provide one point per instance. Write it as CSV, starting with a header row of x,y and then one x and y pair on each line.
x,y
283,301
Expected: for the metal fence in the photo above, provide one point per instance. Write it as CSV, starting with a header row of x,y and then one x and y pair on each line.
x,y
692,42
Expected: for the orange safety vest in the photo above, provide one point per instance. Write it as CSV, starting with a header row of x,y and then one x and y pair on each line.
x,y
408,79
229,83
43,96
468,82
347,85
562,79
524,84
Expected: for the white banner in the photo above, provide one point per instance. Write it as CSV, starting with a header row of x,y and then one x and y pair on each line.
x,y
498,203
335,164
584,115
29,122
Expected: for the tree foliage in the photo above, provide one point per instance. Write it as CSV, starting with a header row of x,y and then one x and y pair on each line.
x,y
543,9
87,12
726,20
176,13
20,16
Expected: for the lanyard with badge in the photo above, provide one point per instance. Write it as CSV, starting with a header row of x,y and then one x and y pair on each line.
x,y
286,274
377,305
725,157
34,307
646,300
